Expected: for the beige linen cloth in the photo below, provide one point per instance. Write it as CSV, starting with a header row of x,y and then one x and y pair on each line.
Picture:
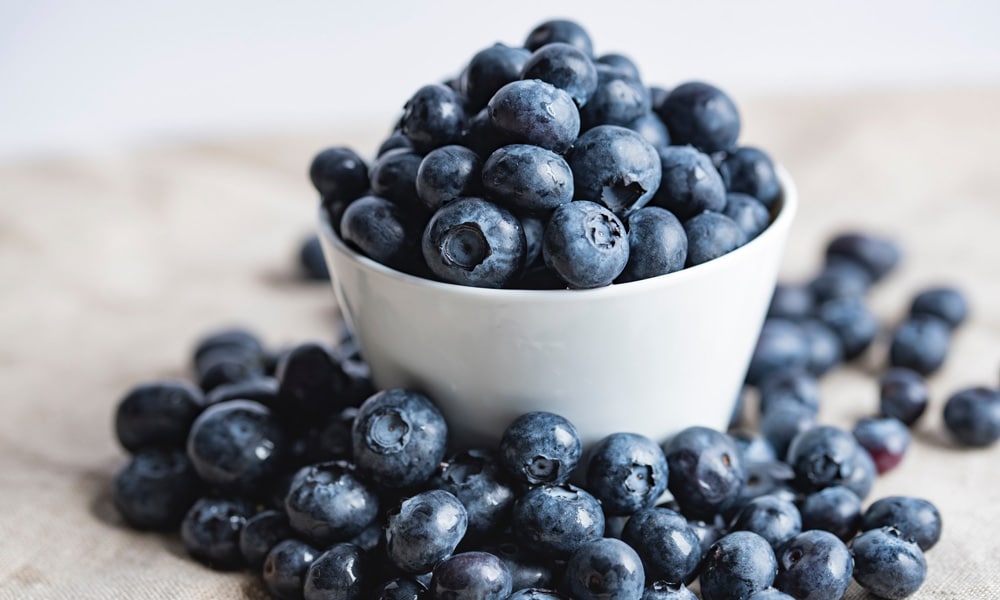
x,y
110,267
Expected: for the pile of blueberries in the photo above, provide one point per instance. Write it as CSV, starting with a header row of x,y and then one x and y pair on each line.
x,y
545,167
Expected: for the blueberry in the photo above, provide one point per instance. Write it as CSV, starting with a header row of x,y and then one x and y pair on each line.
x,y
227,364
784,422
394,177
157,414
789,386
781,345
772,479
770,594
886,440
554,520
535,112
652,129
736,566
585,244
814,564
476,478
330,438
902,395
707,532
835,509
620,63
823,456
471,576
560,30
690,183
285,568
155,489
237,445
626,472
706,471
669,548
328,503
825,349
657,244
396,140
618,99
774,519
920,343
311,261
476,243
887,564
540,447
340,573
401,588
877,255
237,339
483,137
790,301
616,167
853,323
861,475
526,569
972,416
399,438
311,383
840,278
750,171
262,532
915,518
605,569
339,174
711,235
211,531
945,303
702,115
433,117
662,590
382,231
536,594
448,173
534,231
489,70
527,178
748,212
424,529
564,66
754,446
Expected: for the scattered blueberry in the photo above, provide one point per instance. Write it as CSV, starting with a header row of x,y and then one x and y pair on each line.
x,y
211,531
853,323
471,576
540,447
915,518
476,478
972,416
554,520
835,509
605,569
888,565
945,303
814,564
902,395
825,349
663,590
669,548
706,471
736,566
424,529
789,301
784,422
262,532
157,414
527,570
877,255
886,440
311,260
774,519
402,588
626,472
340,573
285,567
311,384
781,346
328,503
789,386
823,456
620,63
920,343
840,278
155,489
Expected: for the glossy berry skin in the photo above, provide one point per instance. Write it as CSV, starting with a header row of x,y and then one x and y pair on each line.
x,y
626,472
706,471
618,99
690,183
920,343
476,478
262,532
424,529
382,231
663,590
835,509
527,570
736,566
823,456
972,416
471,576
560,30
814,565
434,116
398,438
564,66
781,346
211,531
393,176
877,255
537,113
155,489
585,244
448,173
340,573
749,170
259,389
489,70
748,212
528,178
554,520
770,594
605,569
540,447
402,588
157,414
915,518
902,395
853,323
789,386
711,235
616,167
339,174
311,384
657,244
784,422
652,129
237,445
825,349
945,303
328,503
774,519
702,115
888,565
670,549
886,440
285,568
791,301
227,364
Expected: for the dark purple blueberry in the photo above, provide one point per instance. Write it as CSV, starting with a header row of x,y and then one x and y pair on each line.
x,y
339,174
886,440
402,588
471,576
559,30
260,389
915,518
690,183
382,231
852,321
340,573
626,472
620,63
972,416
399,438
394,177
554,520
902,395
790,301
945,303
750,171
311,384
433,117
701,115
825,349
155,489
814,564
262,532
835,509
564,66
605,569
823,456
157,414
328,503
711,235
736,566
396,140
540,447
535,112
284,570
448,173
585,244
237,445
774,519
527,178
618,99
840,278
706,471
748,212
887,564
491,69
424,529
211,531
789,386
652,129
669,548
784,422
877,255
616,167
657,244
476,478
920,343
663,590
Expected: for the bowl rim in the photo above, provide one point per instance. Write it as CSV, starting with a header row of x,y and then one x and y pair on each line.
x,y
787,204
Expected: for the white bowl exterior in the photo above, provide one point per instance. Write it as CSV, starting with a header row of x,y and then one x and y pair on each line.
x,y
650,357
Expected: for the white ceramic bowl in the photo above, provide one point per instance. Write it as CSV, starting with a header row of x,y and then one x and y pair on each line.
x,y
651,356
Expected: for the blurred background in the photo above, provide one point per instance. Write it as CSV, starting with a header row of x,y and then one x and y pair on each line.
x,y
93,77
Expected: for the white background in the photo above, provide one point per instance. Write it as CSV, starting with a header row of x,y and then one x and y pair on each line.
x,y
106,75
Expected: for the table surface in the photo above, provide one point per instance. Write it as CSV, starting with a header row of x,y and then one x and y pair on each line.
x,y
112,267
